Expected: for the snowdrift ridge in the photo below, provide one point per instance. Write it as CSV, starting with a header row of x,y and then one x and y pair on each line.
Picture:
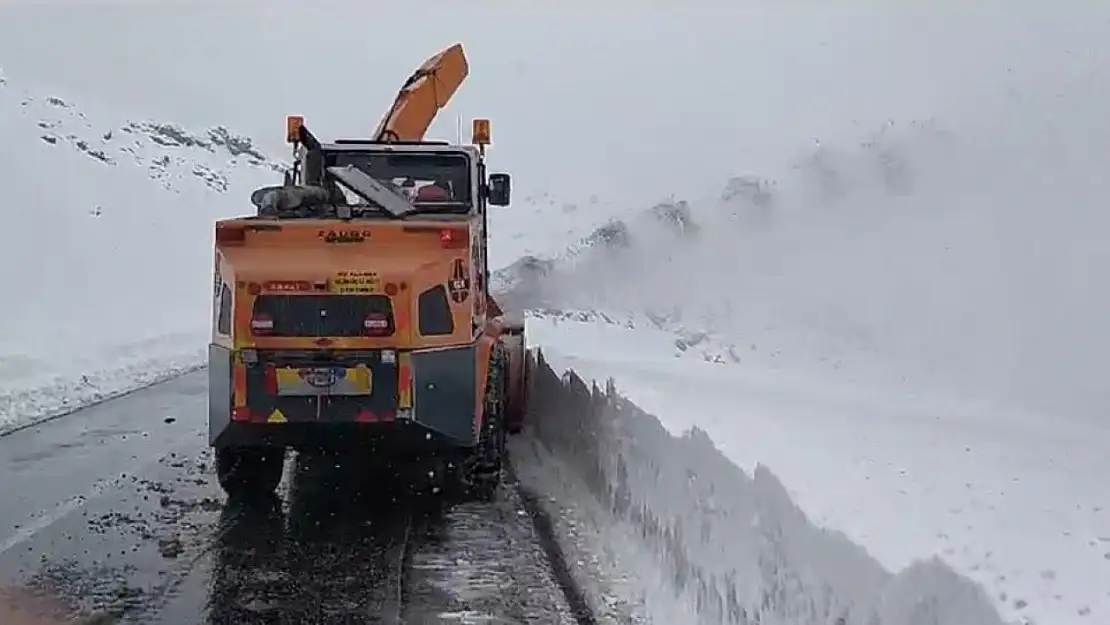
x,y
732,548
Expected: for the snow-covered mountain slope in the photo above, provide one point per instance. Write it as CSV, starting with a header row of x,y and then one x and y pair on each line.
x,y
910,259
106,246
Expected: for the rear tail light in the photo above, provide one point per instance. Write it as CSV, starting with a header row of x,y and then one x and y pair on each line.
x,y
376,324
227,235
262,324
451,238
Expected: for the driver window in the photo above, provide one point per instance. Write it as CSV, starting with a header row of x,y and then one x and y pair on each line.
x,y
427,177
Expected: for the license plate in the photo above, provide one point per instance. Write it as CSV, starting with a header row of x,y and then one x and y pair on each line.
x,y
321,377
325,381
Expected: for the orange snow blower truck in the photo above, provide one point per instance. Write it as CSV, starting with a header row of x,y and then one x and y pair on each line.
x,y
353,310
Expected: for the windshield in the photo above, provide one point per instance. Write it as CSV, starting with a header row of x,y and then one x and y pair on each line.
x,y
427,179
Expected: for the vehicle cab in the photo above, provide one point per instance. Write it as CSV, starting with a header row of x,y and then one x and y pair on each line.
x,y
438,178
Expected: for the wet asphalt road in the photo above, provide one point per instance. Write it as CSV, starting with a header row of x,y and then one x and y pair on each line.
x,y
114,511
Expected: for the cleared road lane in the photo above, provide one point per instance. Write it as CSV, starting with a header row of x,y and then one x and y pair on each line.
x,y
113,511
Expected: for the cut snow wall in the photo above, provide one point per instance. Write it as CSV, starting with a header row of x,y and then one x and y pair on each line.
x,y
733,548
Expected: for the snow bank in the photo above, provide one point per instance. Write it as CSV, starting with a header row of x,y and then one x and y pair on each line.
x,y
732,548
106,247
1013,501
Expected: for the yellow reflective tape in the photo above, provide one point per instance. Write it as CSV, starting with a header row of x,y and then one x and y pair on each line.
x,y
361,378
287,377
239,383
404,379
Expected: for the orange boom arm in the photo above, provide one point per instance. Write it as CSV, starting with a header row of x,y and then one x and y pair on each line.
x,y
423,95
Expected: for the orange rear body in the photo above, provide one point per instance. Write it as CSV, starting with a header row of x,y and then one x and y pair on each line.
x,y
399,263
368,307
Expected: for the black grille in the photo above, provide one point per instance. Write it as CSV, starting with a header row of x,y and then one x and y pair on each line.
x,y
322,315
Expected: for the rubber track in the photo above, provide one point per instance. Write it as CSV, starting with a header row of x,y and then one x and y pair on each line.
x,y
545,530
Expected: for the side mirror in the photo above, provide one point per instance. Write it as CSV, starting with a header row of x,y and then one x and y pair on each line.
x,y
500,189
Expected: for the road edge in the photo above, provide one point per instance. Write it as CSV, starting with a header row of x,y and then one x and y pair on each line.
x,y
112,396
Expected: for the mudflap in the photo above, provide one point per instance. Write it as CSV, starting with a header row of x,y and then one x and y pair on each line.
x,y
219,391
481,475
250,469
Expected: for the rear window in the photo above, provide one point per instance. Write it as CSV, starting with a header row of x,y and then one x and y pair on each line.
x,y
223,321
434,312
322,315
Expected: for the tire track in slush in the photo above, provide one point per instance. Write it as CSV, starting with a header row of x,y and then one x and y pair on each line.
x,y
324,552
170,550
338,555
556,558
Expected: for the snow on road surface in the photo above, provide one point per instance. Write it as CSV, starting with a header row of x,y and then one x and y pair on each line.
x,y
897,294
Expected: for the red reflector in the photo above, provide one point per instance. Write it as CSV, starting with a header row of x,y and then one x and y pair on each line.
x,y
376,323
241,414
262,324
323,342
452,239
391,289
231,234
365,416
